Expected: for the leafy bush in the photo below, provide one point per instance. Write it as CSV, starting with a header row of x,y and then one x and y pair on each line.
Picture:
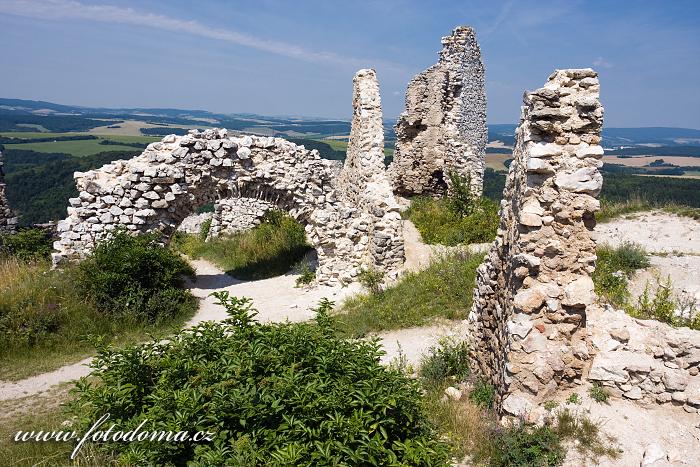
x,y
136,277
442,221
271,394
483,394
204,229
449,359
27,244
267,250
443,290
306,272
598,393
371,279
664,307
526,445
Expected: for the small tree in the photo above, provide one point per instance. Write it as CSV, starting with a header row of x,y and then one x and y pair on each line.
x,y
461,200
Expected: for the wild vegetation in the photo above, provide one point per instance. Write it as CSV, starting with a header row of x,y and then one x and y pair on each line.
x,y
40,184
443,290
473,428
610,209
128,288
457,219
616,266
280,394
270,249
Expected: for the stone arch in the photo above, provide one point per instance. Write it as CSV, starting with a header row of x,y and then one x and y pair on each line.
x,y
350,227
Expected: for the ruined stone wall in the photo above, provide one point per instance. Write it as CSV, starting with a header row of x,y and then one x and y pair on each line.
x,y
352,223
235,215
528,321
645,360
443,127
363,180
8,219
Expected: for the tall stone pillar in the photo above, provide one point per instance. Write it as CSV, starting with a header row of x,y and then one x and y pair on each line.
x,y
528,321
443,128
364,182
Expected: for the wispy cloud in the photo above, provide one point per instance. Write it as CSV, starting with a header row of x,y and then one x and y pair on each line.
x,y
602,63
70,9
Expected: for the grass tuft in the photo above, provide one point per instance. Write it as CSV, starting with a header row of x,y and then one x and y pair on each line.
x,y
612,209
268,250
443,290
614,268
439,223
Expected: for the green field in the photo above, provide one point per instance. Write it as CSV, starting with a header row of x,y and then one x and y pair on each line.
x,y
77,148
339,145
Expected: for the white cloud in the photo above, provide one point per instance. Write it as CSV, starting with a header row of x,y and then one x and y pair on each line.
x,y
71,9
602,63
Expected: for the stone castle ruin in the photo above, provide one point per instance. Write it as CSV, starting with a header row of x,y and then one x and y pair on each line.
x,y
350,227
8,219
443,128
528,321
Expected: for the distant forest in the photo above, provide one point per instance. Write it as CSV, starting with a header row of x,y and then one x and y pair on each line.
x,y
39,184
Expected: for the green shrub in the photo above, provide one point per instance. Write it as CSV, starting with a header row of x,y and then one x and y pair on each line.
x,y
573,398
664,307
267,250
204,229
628,257
443,290
439,223
271,394
613,269
135,277
526,445
449,359
306,273
27,244
598,393
460,201
482,394
371,279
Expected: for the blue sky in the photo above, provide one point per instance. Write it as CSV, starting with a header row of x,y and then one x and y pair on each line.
x,y
298,57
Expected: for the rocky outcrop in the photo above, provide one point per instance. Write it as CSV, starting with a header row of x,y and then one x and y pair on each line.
x,y
443,127
351,227
645,360
528,321
8,219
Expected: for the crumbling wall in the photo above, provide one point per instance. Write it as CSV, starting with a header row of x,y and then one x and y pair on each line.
x,y
443,127
363,180
351,227
528,321
233,215
8,219
645,360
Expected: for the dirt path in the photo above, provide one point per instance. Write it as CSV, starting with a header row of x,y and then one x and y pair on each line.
x,y
277,299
